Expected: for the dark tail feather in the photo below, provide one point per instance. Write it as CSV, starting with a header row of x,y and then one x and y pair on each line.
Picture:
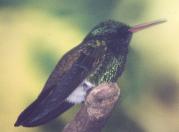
x,y
26,118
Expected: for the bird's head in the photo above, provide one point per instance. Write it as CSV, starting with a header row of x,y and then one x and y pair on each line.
x,y
115,34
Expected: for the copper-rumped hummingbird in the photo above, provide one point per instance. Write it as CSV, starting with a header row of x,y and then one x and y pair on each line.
x,y
99,58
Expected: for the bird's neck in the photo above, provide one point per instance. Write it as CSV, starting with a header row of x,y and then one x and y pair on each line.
x,y
118,49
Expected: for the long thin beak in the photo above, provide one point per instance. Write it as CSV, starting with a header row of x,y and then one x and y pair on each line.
x,y
140,27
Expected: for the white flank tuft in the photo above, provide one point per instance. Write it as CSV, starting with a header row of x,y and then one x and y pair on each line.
x,y
78,95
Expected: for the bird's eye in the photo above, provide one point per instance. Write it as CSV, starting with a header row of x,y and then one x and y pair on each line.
x,y
98,31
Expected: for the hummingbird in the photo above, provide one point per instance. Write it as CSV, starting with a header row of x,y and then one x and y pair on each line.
x,y
99,58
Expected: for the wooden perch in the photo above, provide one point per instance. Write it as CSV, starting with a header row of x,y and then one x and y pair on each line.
x,y
96,110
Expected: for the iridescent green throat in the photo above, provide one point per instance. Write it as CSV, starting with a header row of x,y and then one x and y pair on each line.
x,y
109,70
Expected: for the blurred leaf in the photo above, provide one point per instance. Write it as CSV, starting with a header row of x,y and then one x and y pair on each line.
x,y
53,126
165,89
12,2
84,14
131,83
121,122
42,58
130,10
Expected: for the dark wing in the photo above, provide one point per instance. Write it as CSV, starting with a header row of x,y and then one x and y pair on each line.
x,y
61,68
68,74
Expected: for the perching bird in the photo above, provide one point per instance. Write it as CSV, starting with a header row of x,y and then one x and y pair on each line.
x,y
100,57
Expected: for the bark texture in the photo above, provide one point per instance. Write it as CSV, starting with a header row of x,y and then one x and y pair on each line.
x,y
96,110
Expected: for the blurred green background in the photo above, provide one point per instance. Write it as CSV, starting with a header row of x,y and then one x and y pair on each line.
x,y
34,34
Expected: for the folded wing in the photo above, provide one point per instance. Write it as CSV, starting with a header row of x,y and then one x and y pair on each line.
x,y
68,74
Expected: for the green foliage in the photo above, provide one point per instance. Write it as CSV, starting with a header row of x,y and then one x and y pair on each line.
x,y
42,58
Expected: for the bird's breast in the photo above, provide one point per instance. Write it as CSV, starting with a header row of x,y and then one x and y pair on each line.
x,y
108,70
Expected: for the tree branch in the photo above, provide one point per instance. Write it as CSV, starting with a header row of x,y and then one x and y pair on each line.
x,y
96,110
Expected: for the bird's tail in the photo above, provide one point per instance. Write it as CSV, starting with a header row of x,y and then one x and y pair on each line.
x,y
31,117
